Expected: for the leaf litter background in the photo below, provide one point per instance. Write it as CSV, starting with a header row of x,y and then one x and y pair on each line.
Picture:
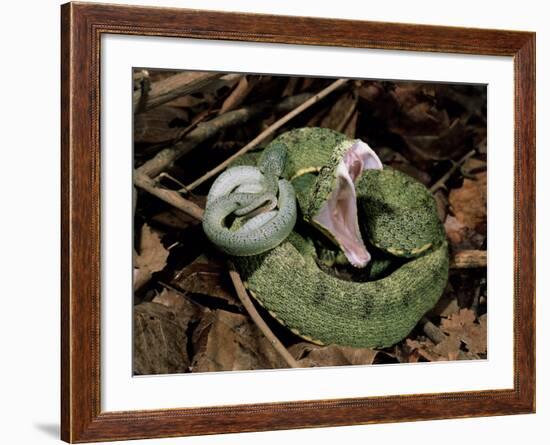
x,y
187,317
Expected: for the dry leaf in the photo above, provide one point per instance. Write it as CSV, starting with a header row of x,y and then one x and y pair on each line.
x,y
448,349
172,299
290,87
409,169
456,231
180,220
469,203
371,91
187,101
461,236
310,355
462,325
160,338
159,124
151,259
341,112
441,144
205,276
441,205
225,341
476,337
473,166
239,94
422,349
459,328
351,126
446,306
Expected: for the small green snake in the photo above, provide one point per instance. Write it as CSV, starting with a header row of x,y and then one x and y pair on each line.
x,y
384,223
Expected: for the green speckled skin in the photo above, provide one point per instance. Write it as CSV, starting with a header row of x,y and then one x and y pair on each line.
x,y
308,149
397,215
400,212
325,309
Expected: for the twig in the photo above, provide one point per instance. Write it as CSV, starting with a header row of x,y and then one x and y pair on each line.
x,y
268,131
238,95
170,196
469,259
172,87
247,303
440,183
347,117
174,199
432,331
436,335
475,301
206,130
144,87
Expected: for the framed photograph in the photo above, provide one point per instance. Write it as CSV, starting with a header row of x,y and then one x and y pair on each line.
x,y
274,222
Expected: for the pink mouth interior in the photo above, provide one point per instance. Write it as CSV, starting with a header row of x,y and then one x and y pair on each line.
x,y
339,214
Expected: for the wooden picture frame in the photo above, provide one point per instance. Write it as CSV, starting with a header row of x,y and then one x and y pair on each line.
x,y
82,26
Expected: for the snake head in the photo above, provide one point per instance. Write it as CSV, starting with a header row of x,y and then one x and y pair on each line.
x,y
333,207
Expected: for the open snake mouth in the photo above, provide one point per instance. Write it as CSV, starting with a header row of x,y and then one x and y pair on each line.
x,y
338,215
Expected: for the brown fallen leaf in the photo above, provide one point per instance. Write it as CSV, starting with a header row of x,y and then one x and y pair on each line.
x,y
409,169
225,341
474,166
430,129
441,203
177,219
459,328
370,91
461,236
446,306
239,94
160,337
290,87
448,349
341,112
206,276
351,126
310,355
462,325
469,203
316,119
151,259
172,299
443,144
476,337
159,124
422,349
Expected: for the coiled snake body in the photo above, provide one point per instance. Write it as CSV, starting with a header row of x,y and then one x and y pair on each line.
x,y
343,191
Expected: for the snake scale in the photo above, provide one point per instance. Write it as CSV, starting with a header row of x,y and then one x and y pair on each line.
x,y
378,220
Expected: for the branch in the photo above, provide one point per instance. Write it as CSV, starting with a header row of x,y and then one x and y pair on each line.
x,y
268,131
264,328
170,196
436,335
238,95
441,182
173,198
207,130
172,87
432,331
469,259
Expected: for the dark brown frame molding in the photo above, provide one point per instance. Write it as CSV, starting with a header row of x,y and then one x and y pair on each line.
x,y
82,26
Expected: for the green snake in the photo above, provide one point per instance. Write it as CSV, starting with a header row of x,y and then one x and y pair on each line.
x,y
350,210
